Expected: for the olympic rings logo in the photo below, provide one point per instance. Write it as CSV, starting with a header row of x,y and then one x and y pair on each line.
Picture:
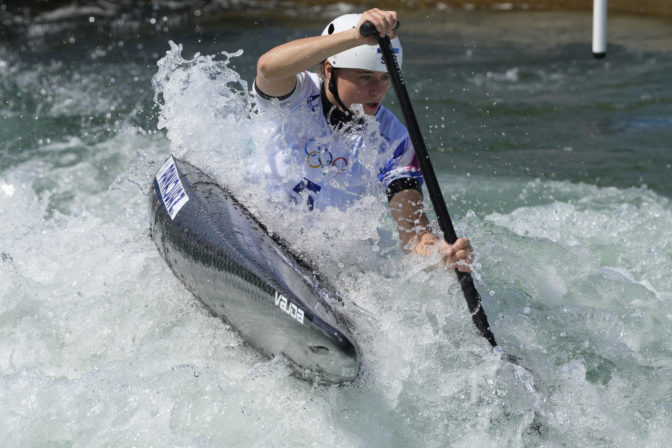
x,y
322,158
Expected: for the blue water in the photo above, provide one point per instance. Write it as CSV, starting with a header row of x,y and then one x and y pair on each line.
x,y
556,165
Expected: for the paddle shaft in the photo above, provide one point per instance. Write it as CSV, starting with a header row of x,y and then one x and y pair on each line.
x,y
471,295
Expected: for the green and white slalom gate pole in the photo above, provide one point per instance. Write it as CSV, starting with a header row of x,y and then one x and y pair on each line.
x,y
445,224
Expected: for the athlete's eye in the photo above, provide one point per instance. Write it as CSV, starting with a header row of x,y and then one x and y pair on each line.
x,y
365,77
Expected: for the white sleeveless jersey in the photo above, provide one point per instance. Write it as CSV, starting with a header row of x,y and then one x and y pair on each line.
x,y
319,166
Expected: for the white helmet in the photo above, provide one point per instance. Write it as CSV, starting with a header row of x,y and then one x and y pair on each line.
x,y
365,57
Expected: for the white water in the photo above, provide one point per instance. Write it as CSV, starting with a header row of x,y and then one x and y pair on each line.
x,y
104,347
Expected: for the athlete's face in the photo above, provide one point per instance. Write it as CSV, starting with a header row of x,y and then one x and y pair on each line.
x,y
363,87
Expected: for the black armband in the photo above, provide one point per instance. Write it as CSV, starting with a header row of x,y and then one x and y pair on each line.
x,y
405,183
269,97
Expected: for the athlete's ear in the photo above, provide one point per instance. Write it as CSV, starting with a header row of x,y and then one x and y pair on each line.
x,y
327,70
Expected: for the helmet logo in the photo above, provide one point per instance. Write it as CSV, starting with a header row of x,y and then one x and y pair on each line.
x,y
380,52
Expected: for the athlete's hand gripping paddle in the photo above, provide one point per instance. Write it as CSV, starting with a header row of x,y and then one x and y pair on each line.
x,y
471,295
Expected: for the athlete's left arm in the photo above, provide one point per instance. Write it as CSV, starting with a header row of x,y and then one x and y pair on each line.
x,y
407,208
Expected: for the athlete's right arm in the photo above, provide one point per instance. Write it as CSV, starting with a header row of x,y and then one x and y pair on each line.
x,y
408,211
277,69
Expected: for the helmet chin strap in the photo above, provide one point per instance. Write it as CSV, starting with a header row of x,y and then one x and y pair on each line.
x,y
334,91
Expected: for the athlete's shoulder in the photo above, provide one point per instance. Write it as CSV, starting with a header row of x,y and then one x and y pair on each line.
x,y
307,87
390,126
308,83
312,78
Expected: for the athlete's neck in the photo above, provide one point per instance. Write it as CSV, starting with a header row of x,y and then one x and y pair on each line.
x,y
332,113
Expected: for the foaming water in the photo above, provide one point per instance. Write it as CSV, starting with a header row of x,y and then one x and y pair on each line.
x,y
580,288
555,293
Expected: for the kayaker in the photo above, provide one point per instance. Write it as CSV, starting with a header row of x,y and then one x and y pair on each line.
x,y
323,129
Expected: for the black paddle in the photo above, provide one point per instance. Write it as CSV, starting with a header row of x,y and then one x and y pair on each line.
x,y
471,295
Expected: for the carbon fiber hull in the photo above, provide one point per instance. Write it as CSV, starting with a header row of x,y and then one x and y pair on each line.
x,y
251,280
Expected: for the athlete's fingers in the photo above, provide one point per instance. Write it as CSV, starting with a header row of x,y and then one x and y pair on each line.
x,y
462,267
459,255
388,20
384,21
462,249
456,256
368,16
462,244
453,263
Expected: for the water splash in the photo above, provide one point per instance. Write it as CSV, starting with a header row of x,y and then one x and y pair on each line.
x,y
212,121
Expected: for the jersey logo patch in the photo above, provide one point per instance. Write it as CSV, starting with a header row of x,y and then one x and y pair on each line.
x,y
311,102
319,156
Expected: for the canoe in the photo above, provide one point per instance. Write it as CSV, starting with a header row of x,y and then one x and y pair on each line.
x,y
251,279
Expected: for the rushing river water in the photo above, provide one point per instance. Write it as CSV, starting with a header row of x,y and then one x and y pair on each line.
x,y
556,165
